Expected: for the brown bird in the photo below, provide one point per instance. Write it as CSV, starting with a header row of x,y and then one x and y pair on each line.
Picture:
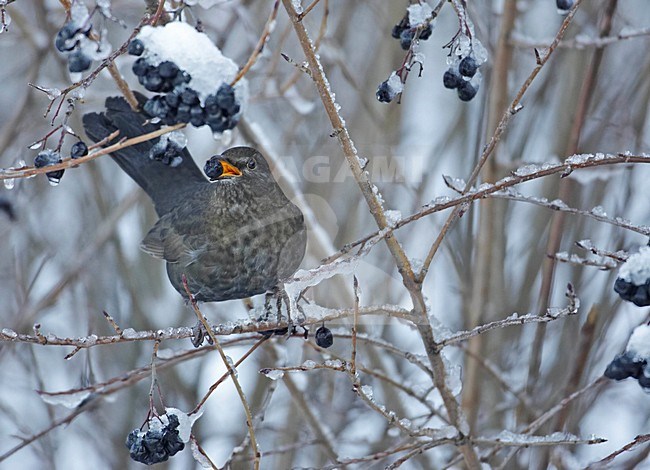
x,y
233,237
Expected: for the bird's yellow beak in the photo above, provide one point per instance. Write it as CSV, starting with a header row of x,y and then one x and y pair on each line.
x,y
228,169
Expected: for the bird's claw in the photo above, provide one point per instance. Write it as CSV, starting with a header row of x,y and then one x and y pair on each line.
x,y
199,334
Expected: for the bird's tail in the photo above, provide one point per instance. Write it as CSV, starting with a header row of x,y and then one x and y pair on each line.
x,y
163,183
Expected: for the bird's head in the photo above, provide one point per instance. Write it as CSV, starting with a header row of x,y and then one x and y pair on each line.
x,y
241,166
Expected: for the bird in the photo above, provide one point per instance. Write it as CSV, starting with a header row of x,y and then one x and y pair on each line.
x,y
232,236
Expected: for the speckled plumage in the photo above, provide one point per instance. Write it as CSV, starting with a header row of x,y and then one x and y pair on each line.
x,y
232,238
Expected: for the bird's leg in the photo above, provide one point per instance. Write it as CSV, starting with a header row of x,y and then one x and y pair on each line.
x,y
267,304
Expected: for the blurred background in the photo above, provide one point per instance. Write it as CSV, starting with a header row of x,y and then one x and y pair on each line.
x,y
72,251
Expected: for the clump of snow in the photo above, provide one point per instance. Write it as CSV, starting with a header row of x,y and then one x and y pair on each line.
x,y
419,13
194,53
639,343
636,270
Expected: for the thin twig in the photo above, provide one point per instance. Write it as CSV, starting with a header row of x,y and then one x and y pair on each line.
x,y
231,371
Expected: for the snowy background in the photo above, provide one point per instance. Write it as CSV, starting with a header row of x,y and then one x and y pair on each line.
x,y
72,250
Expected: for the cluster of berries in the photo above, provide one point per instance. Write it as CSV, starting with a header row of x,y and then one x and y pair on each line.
x,y
628,365
458,77
638,295
157,444
634,361
633,282
178,102
69,40
49,157
406,33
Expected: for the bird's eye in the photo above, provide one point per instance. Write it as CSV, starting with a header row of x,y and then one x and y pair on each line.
x,y
251,164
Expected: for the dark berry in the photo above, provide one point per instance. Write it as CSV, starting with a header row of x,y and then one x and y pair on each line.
x,y
78,150
426,32
156,107
466,91
181,78
624,366
46,158
153,81
324,337
468,67
140,67
406,38
189,97
168,69
173,100
213,168
451,79
211,105
400,27
78,62
384,93
217,123
225,97
624,288
183,113
197,116
564,4
641,297
136,47
63,38
644,380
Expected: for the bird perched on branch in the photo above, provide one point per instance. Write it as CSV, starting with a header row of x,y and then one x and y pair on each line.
x,y
233,237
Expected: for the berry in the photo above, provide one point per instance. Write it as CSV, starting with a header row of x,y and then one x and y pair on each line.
x,y
211,105
168,69
153,81
136,47
173,100
644,380
564,4
466,91
78,150
213,168
400,27
46,158
468,67
624,366
183,113
225,97
156,107
62,41
324,337
451,79
218,123
140,67
189,96
155,445
384,93
181,78
78,62
406,38
197,117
